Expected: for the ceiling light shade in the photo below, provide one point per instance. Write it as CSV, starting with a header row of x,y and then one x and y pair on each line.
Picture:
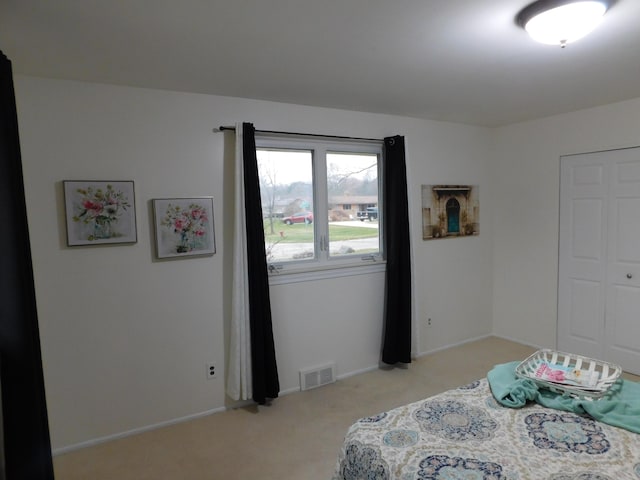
x,y
558,22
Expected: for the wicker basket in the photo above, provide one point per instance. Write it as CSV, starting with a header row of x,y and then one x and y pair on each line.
x,y
608,373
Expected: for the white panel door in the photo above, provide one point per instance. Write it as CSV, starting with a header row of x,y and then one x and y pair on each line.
x,y
622,321
599,263
583,254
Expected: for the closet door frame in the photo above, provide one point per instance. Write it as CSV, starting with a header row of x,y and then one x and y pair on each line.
x,y
599,256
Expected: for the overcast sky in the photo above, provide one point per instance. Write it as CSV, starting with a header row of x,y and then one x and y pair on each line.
x,y
295,166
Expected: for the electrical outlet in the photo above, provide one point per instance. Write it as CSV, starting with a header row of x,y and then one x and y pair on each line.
x,y
212,371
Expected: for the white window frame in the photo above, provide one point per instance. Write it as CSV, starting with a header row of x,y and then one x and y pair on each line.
x,y
322,265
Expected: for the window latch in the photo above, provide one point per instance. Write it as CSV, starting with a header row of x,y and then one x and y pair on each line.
x,y
324,244
274,269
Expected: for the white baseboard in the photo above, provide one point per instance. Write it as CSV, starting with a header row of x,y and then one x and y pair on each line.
x,y
451,345
135,431
532,345
357,372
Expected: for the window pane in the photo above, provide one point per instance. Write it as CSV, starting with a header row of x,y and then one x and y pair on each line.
x,y
352,192
286,189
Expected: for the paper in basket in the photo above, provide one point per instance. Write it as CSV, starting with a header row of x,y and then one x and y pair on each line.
x,y
566,375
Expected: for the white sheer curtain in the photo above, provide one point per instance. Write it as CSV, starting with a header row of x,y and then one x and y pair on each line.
x,y
239,380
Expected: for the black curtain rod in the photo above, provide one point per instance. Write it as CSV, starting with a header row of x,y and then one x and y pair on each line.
x,y
222,129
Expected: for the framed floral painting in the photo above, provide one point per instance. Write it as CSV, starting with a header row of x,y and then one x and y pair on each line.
x,y
184,227
99,212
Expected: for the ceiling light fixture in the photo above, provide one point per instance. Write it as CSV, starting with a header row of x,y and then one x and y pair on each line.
x,y
559,22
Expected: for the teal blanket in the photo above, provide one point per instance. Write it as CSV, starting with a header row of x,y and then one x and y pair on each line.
x,y
620,407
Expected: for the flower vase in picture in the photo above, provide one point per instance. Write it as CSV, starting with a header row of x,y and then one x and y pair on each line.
x,y
183,246
101,229
186,244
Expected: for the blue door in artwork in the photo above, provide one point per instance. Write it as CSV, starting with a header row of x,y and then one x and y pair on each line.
x,y
453,216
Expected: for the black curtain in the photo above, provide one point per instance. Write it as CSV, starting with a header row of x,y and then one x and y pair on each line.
x,y
27,447
397,316
265,381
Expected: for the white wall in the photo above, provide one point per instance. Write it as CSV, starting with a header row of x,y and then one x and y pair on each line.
x,y
525,203
449,273
125,337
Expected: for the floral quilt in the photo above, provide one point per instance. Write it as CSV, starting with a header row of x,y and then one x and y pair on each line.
x,y
464,434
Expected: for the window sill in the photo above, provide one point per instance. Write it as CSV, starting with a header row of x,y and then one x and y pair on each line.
x,y
323,273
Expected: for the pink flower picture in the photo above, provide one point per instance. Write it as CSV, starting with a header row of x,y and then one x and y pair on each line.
x,y
99,212
184,227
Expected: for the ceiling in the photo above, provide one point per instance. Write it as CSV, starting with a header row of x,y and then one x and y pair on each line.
x,y
462,61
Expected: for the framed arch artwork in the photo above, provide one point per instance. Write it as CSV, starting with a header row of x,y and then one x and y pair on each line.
x,y
450,211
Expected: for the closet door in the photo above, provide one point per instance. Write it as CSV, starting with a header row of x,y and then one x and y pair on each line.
x,y
622,319
583,254
599,263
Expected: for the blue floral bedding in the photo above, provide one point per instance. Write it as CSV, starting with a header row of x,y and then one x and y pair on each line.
x,y
465,434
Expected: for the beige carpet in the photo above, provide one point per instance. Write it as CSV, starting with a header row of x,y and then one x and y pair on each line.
x,y
297,437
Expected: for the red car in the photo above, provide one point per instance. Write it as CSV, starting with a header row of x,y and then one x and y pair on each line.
x,y
302,217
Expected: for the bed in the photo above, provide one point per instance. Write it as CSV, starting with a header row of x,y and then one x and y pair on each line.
x,y
466,434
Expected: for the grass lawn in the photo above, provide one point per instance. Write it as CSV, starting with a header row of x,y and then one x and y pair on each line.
x,y
303,233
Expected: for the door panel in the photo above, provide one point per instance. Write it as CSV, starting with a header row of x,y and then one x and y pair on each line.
x,y
586,300
622,320
628,230
599,262
626,331
623,328
582,262
629,170
586,228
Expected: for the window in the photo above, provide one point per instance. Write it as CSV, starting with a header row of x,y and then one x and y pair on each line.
x,y
306,185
